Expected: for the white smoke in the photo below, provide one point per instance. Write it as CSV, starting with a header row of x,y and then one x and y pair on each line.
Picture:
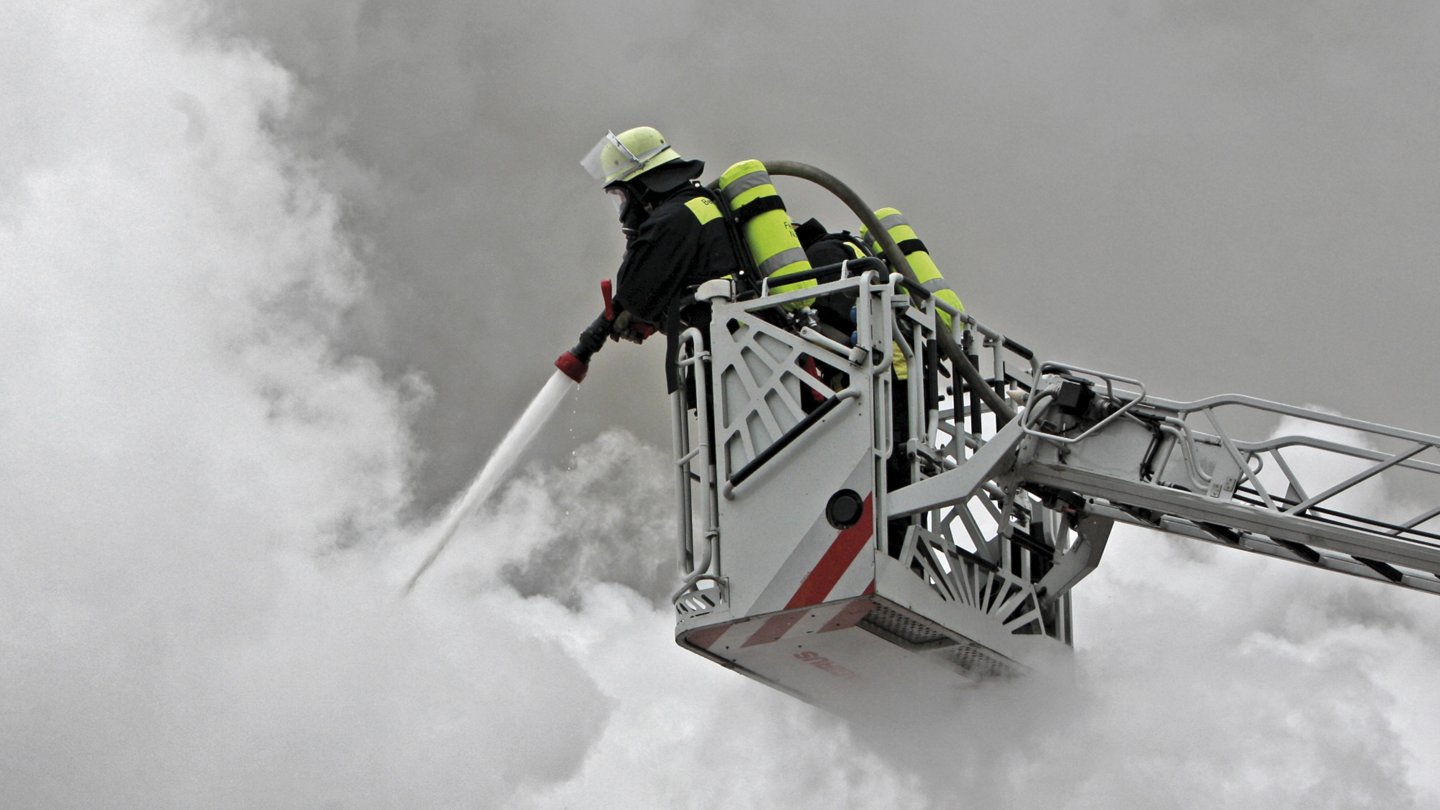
x,y
201,542
201,495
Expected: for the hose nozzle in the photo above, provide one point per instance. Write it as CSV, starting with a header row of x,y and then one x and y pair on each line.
x,y
573,366
576,362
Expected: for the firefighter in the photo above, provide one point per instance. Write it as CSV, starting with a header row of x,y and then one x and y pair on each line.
x,y
675,233
822,248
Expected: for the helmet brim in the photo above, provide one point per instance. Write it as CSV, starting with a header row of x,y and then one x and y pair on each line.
x,y
610,161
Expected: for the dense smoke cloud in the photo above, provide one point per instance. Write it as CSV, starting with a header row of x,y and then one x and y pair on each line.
x,y
201,500
211,494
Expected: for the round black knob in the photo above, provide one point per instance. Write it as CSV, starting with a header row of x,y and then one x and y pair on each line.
x,y
844,509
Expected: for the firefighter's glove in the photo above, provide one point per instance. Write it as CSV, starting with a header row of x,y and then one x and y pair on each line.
x,y
628,328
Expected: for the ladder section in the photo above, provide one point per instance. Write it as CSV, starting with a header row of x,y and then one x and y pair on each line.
x,y
1320,489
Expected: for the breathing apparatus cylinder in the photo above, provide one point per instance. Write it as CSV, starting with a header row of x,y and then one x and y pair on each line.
x,y
926,271
750,194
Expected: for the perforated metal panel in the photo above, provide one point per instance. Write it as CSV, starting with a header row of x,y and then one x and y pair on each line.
x,y
889,623
976,661
921,635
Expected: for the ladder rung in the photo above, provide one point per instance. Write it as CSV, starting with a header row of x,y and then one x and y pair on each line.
x,y
1386,570
1222,533
1302,551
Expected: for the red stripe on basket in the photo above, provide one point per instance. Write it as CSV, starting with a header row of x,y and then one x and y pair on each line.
x,y
849,616
706,636
836,562
774,628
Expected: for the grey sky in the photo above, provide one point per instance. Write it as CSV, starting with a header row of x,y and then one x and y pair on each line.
x,y
238,248
1207,196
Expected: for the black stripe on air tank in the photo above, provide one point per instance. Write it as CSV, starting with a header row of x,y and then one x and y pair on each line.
x,y
911,246
758,206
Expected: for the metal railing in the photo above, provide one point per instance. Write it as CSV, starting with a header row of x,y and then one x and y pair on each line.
x,y
1326,490
1373,464
695,464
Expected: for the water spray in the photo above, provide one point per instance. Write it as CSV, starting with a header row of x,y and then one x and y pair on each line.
x,y
525,429
572,366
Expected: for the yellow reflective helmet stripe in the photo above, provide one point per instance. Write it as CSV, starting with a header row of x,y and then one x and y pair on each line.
x,y
748,190
704,209
926,271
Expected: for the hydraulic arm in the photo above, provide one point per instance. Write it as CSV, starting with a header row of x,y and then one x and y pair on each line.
x,y
1330,494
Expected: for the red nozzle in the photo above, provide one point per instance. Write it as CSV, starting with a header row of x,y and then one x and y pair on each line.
x,y
577,361
573,367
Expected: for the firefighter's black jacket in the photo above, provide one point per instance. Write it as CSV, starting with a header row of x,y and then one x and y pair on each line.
x,y
682,243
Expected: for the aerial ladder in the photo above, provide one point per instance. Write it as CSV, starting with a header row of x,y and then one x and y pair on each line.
x,y
833,541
